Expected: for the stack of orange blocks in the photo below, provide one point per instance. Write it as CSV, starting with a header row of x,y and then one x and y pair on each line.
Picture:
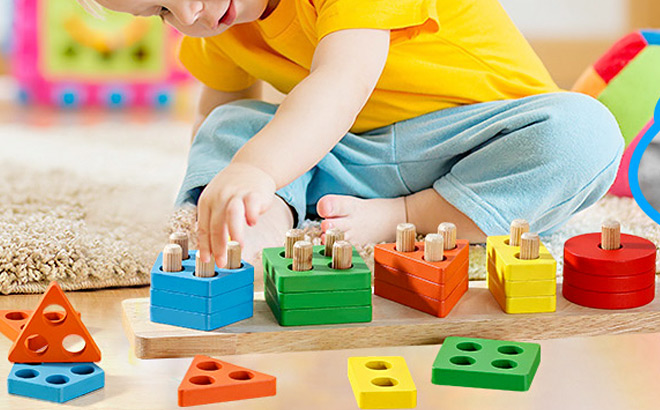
x,y
431,287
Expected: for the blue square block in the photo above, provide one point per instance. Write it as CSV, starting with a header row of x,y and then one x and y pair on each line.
x,y
58,382
201,304
201,321
185,281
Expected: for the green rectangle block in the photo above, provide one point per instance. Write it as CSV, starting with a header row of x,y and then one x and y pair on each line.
x,y
315,300
321,278
488,364
325,316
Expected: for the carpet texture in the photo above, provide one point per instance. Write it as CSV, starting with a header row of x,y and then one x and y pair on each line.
x,y
91,205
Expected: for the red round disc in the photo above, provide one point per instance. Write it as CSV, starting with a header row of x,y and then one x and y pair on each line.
x,y
608,284
584,254
600,300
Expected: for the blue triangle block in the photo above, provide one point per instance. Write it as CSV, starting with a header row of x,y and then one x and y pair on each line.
x,y
57,382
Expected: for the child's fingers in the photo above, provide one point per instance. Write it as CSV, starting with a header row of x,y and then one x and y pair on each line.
x,y
203,221
254,207
236,219
218,235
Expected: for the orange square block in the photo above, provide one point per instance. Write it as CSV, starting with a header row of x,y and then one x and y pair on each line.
x,y
439,308
414,263
401,279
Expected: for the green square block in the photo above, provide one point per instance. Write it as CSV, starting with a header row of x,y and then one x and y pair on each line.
x,y
322,277
324,316
484,363
315,300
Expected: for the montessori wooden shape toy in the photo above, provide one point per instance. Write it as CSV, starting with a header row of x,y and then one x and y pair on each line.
x,y
57,382
44,337
609,270
522,274
382,383
429,276
488,364
313,288
197,295
210,380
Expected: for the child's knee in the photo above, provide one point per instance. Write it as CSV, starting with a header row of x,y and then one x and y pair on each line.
x,y
242,118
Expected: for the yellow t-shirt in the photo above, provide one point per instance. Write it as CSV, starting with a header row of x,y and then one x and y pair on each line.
x,y
443,53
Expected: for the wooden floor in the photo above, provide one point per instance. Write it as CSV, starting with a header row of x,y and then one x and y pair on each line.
x,y
604,372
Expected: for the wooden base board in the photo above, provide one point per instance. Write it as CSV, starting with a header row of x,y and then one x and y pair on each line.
x,y
476,315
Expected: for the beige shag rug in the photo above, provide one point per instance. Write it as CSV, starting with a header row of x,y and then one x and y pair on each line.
x,y
91,205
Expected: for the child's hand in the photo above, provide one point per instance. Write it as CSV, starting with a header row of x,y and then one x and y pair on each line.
x,y
239,194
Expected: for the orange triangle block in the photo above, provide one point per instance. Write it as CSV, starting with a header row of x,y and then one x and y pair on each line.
x,y
210,380
13,321
50,337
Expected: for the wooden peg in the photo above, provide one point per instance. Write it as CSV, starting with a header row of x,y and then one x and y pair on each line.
x,y
529,246
342,255
434,247
233,255
332,236
448,230
302,256
172,258
405,237
181,239
610,235
292,236
518,227
204,270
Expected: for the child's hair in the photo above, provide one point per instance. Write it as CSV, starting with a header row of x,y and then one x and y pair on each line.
x,y
92,7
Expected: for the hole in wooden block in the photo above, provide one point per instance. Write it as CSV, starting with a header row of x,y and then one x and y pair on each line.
x,y
74,344
36,344
209,366
330,266
462,360
510,350
504,364
468,346
241,375
83,369
384,382
54,314
27,374
378,365
57,379
16,315
201,380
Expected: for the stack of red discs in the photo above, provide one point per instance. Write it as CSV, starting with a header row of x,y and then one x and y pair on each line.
x,y
620,278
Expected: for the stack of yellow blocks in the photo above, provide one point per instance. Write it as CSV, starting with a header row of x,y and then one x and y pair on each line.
x,y
521,286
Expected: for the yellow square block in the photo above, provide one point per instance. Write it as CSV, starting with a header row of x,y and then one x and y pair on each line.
x,y
382,382
523,288
509,267
528,304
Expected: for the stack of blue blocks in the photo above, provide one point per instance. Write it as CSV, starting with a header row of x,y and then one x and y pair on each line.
x,y
57,382
183,299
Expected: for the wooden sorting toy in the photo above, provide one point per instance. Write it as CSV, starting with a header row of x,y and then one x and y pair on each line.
x,y
44,339
13,321
429,276
382,383
521,278
210,380
57,382
312,288
197,295
488,364
609,270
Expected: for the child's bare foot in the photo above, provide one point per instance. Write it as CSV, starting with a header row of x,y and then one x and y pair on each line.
x,y
269,230
362,220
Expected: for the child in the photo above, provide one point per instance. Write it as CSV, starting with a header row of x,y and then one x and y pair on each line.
x,y
396,110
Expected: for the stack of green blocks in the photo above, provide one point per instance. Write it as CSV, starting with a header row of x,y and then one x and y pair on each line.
x,y
320,296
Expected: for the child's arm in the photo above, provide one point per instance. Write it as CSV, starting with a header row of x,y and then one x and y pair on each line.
x,y
209,99
315,115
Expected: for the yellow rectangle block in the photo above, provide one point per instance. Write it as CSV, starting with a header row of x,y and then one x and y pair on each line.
x,y
529,304
509,267
382,382
523,288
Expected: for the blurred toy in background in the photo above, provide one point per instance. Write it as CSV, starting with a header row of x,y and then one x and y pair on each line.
x,y
63,56
5,29
626,80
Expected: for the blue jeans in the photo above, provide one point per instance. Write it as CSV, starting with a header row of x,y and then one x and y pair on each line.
x,y
542,158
